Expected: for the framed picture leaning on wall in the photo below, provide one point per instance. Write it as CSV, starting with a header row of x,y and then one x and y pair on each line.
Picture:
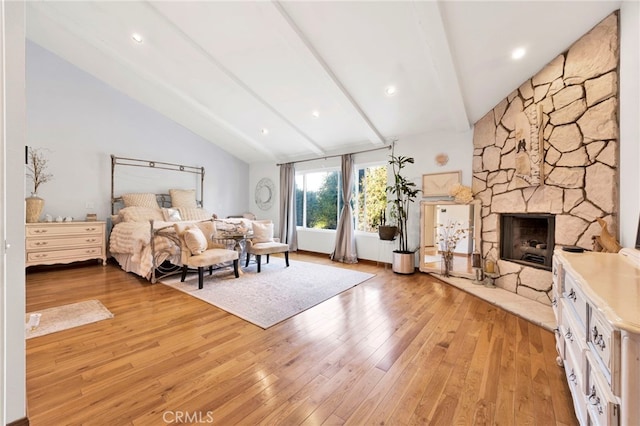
x,y
438,184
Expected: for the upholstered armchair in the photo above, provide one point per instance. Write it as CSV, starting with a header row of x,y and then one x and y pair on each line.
x,y
263,243
199,250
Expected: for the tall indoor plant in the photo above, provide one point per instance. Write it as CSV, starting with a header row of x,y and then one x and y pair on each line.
x,y
403,192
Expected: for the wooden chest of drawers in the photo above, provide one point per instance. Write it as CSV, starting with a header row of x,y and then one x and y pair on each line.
x,y
596,301
64,242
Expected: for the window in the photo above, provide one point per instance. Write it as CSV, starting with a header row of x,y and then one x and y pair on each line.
x,y
319,198
371,197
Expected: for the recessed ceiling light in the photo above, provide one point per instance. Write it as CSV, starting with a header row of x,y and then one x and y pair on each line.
x,y
390,91
136,37
518,53
264,131
315,114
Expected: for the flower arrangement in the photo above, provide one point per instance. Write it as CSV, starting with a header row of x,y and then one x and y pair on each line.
x,y
448,237
36,166
461,193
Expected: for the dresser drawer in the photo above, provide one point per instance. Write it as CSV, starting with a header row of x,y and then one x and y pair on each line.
x,y
576,299
574,370
601,404
33,244
55,230
573,335
604,342
64,256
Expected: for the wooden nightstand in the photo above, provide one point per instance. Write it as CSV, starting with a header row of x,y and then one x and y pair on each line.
x,y
48,243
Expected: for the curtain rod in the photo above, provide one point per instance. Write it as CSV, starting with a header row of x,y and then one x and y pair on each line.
x,y
337,155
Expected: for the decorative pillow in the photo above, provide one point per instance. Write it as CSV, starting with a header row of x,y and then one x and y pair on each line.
x,y
115,219
195,240
191,213
140,214
171,215
208,228
183,198
140,200
262,232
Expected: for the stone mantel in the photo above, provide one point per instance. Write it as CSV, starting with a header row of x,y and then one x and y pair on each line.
x,y
577,94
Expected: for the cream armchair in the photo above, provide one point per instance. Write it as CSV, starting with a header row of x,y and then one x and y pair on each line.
x,y
263,243
198,250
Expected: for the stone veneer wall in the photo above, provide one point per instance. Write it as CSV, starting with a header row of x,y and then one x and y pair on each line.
x,y
578,92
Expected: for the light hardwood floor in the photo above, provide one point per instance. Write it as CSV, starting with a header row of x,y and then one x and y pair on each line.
x,y
394,350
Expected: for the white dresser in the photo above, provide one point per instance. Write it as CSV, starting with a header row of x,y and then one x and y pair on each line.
x,y
64,242
596,301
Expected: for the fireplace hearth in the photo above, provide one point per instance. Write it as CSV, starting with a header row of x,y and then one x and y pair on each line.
x,y
527,239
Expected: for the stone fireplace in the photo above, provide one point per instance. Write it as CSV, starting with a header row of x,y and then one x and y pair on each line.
x,y
550,149
527,239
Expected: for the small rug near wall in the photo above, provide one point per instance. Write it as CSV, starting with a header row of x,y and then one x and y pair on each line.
x,y
273,295
67,316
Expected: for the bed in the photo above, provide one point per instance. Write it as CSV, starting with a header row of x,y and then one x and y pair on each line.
x,y
143,239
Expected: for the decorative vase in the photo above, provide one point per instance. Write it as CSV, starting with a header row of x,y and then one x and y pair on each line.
x,y
34,208
447,263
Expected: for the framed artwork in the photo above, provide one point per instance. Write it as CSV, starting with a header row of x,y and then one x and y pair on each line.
x,y
438,184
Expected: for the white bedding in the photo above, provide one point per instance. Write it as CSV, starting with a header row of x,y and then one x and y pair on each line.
x,y
130,244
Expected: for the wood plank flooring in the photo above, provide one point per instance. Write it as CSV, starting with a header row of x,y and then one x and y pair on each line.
x,y
396,350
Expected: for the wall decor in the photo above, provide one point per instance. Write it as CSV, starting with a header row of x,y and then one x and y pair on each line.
x,y
438,184
442,159
265,194
529,146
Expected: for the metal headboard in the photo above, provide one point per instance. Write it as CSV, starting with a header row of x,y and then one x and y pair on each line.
x,y
134,162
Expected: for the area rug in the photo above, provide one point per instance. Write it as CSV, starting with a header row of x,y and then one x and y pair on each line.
x,y
273,295
67,316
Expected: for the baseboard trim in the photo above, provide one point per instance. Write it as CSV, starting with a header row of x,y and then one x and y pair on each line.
x,y
20,422
327,255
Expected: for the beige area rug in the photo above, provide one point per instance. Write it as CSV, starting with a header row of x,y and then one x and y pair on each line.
x,y
67,316
273,295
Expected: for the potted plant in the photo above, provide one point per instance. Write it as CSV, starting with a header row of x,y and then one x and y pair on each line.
x,y
386,232
403,192
36,171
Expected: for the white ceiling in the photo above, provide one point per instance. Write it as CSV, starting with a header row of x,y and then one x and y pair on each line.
x,y
227,70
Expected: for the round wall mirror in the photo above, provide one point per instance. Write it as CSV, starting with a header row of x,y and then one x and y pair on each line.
x,y
265,194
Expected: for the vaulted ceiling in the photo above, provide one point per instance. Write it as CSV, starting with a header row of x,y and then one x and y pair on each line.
x,y
281,81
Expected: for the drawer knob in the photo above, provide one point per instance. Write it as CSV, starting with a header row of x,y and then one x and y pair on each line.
x,y
554,302
595,399
573,377
91,240
41,243
598,339
39,231
90,229
572,295
569,335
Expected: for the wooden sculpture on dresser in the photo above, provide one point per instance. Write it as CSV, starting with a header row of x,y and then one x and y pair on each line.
x,y
605,242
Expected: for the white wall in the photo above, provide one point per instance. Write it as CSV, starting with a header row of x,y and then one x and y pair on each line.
x,y
423,148
13,298
79,122
629,122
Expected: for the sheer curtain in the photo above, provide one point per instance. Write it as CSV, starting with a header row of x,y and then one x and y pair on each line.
x,y
288,233
345,250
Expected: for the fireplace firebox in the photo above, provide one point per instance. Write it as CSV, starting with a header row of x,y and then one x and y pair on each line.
x,y
527,239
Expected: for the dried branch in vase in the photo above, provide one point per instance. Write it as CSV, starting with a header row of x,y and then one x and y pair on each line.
x,y
36,168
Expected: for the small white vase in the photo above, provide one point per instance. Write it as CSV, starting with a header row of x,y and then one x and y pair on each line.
x,y
34,207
